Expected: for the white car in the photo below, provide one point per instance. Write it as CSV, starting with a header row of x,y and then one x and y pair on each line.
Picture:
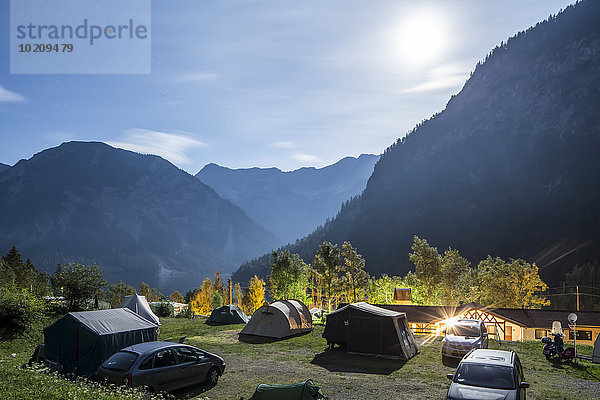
x,y
488,374
461,337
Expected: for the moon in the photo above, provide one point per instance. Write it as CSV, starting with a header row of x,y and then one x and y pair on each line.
x,y
421,38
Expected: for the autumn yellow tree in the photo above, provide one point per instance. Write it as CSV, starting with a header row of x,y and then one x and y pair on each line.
x,y
239,295
202,300
254,296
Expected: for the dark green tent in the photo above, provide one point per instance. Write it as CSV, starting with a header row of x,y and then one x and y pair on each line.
x,y
367,329
81,341
229,314
295,391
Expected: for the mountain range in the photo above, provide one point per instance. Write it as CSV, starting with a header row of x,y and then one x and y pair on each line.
x,y
291,204
509,168
3,167
137,216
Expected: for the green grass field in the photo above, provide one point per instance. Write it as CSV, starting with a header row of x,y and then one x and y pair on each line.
x,y
340,375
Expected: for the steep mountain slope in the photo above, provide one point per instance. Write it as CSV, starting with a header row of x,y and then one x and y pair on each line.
x,y
137,216
291,204
3,167
509,168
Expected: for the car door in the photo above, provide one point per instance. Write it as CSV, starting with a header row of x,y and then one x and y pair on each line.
x,y
166,373
520,378
145,374
193,365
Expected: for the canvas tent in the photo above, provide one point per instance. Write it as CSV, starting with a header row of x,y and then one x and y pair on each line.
x,y
81,341
280,319
296,391
139,305
596,353
367,329
229,314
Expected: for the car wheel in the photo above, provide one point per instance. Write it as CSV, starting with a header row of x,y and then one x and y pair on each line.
x,y
445,360
212,377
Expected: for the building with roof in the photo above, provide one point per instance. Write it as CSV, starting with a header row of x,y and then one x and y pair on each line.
x,y
501,323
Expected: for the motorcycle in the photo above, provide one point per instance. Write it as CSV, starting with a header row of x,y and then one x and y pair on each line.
x,y
555,348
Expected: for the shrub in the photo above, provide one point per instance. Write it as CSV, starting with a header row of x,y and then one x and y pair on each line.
x,y
163,309
18,310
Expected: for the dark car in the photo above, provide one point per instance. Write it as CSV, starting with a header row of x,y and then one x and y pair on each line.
x,y
161,366
488,374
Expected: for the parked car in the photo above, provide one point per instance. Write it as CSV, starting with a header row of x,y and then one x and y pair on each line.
x,y
488,374
461,337
161,366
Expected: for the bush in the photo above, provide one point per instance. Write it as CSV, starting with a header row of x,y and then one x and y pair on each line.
x,y
186,313
18,310
163,309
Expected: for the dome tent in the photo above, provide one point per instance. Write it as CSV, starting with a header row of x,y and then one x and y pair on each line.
x,y
296,391
139,305
280,319
229,314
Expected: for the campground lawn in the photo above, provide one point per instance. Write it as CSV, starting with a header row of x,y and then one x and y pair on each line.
x,y
340,375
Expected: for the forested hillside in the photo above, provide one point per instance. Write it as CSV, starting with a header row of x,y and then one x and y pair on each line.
x,y
510,167
137,216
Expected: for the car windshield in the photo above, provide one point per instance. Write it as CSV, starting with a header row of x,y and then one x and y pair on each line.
x,y
463,330
489,376
121,361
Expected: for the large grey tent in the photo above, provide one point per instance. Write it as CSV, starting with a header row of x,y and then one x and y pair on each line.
x,y
280,319
367,329
81,341
139,305
229,314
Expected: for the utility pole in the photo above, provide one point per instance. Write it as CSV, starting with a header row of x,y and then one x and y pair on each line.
x,y
229,284
577,297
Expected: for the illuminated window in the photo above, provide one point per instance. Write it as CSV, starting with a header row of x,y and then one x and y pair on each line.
x,y
540,333
581,335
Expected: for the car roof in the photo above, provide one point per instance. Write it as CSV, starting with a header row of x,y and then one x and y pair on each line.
x,y
467,322
493,357
146,347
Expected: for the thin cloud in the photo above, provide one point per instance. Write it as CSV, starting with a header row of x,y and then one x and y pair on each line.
x,y
440,78
283,145
309,158
6,96
170,145
196,77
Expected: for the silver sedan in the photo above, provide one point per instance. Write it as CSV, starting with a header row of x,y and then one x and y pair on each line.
x,y
161,366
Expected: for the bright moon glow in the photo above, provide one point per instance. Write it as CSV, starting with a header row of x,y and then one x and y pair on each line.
x,y
420,39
